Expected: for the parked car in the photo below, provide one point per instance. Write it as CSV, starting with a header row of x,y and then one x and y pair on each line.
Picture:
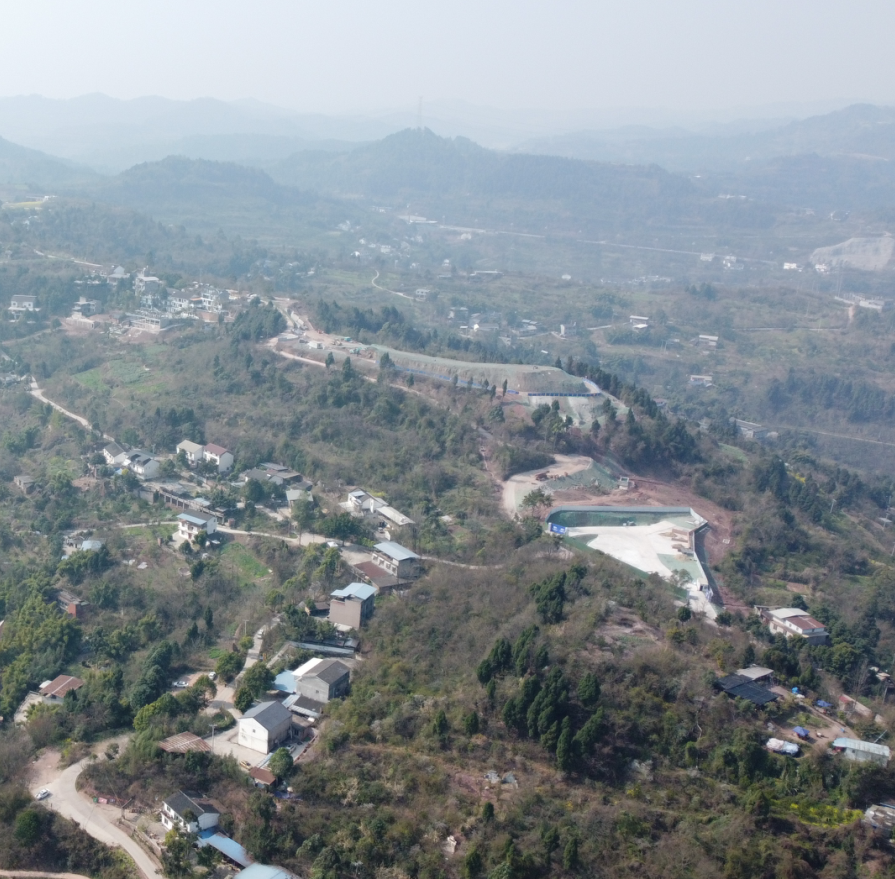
x,y
42,794
212,676
181,684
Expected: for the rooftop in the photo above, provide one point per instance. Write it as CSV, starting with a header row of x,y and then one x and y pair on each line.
x,y
263,871
226,846
268,714
61,685
361,591
183,742
739,687
181,801
329,671
213,449
265,776
196,518
395,551
865,747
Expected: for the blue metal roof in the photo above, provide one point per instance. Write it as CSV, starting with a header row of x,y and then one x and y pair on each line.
x,y
362,591
226,846
263,871
395,550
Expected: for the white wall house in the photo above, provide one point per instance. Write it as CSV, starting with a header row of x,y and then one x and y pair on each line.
x,y
264,727
143,465
114,454
193,451
190,525
23,303
175,813
219,456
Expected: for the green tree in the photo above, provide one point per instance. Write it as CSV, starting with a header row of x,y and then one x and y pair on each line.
x,y
473,863
176,855
330,360
28,828
303,515
280,763
243,699
564,747
570,859
588,690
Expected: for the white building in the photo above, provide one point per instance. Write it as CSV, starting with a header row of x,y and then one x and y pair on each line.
x,y
141,464
264,727
793,622
193,451
218,456
114,454
189,813
190,525
23,303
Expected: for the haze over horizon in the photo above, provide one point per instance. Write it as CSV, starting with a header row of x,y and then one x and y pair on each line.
x,y
691,60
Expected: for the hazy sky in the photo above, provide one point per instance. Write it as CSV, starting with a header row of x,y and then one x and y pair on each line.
x,y
348,55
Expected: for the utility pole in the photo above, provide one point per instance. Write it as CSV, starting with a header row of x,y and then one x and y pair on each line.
x,y
212,738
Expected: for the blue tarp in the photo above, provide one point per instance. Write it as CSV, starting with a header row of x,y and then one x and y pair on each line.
x,y
801,732
821,704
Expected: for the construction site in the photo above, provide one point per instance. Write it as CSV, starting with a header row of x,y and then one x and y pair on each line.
x,y
652,540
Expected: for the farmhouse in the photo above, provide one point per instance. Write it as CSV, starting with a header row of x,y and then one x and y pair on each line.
x,y
193,451
190,525
793,622
23,482
23,303
362,503
189,812
862,752
218,456
399,561
352,606
114,454
55,690
141,464
322,679
263,727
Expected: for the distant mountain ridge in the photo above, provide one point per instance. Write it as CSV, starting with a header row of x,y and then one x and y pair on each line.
x,y
20,166
861,129
457,178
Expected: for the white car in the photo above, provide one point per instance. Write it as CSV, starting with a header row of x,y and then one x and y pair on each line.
x,y
42,794
212,676
180,685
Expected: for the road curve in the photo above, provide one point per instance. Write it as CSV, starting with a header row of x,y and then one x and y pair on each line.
x,y
38,393
65,799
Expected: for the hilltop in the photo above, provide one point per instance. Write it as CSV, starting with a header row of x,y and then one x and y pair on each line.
x,y
20,166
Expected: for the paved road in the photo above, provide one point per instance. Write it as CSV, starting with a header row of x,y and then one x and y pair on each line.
x,y
95,820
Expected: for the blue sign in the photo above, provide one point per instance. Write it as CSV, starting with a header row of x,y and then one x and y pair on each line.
x,y
557,529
